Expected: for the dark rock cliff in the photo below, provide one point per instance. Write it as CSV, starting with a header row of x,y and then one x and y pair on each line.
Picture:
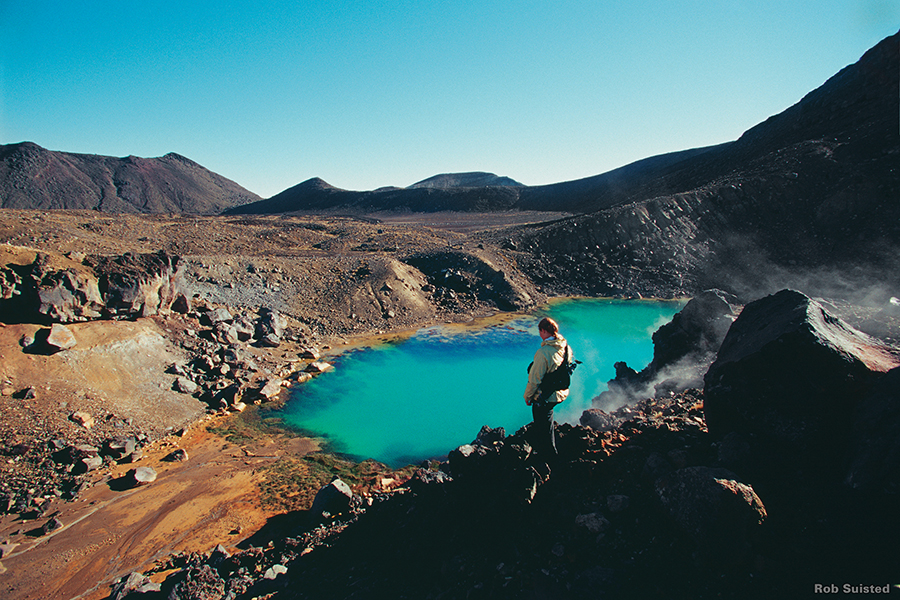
x,y
683,350
789,378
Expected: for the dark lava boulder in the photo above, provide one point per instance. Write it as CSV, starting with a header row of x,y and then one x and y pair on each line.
x,y
597,419
715,509
697,330
789,375
333,498
875,439
683,349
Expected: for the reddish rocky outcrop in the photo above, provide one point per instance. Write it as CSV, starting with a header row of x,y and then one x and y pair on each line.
x,y
60,289
138,285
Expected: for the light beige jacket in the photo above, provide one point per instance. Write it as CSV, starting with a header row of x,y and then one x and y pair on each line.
x,y
547,358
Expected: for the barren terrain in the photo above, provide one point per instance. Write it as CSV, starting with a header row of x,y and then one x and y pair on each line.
x,y
338,279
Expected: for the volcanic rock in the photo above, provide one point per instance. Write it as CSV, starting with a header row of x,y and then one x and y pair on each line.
x,y
790,375
88,463
68,295
617,502
270,340
597,419
185,385
133,583
139,285
179,455
874,454
683,349
309,354
216,316
181,304
142,475
118,448
271,324
82,418
698,329
333,499
60,338
199,583
274,571
715,508
593,522
319,367
271,389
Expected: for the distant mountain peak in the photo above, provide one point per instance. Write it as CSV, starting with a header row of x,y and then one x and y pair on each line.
x,y
315,183
32,177
174,156
466,180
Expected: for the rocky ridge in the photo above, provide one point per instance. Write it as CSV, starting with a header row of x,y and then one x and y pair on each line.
x,y
797,201
476,179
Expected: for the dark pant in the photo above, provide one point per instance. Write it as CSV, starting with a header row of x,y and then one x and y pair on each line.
x,y
543,432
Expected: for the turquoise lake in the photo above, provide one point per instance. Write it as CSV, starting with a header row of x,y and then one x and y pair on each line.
x,y
405,401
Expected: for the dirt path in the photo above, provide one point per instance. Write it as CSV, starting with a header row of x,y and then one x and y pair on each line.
x,y
107,533
117,373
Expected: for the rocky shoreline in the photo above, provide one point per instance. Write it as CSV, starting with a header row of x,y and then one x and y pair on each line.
x,y
111,363
645,501
160,342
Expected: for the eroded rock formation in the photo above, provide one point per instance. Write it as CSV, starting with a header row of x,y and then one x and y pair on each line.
x,y
48,287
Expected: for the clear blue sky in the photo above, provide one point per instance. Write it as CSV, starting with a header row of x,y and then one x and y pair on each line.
x,y
367,94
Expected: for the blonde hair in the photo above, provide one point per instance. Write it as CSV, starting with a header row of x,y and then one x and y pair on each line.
x,y
549,325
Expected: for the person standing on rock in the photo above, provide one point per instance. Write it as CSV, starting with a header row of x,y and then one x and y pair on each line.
x,y
540,394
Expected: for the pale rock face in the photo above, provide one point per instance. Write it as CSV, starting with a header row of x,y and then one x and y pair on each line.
x,y
82,418
60,338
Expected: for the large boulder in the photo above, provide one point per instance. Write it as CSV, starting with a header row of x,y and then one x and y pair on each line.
x,y
141,476
697,331
60,338
718,511
132,585
789,376
270,327
68,295
874,457
41,287
597,419
333,499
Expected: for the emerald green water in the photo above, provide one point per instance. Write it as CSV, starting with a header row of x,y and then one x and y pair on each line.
x,y
419,398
